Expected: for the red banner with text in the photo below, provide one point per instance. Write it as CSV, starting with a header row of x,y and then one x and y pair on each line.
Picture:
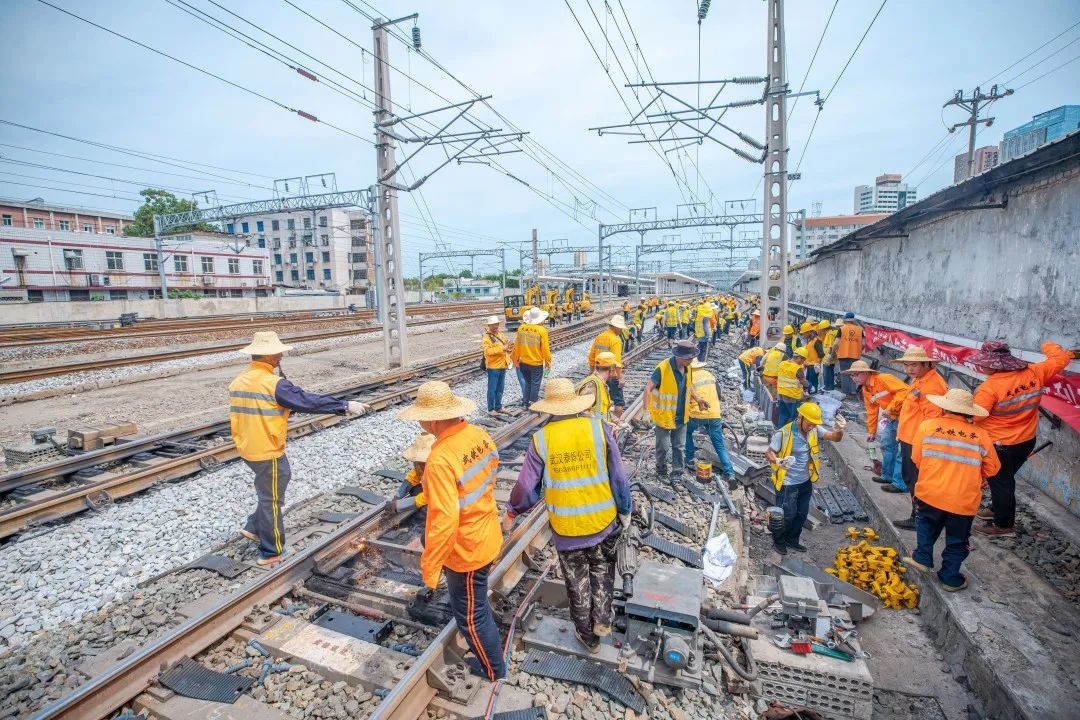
x,y
1061,396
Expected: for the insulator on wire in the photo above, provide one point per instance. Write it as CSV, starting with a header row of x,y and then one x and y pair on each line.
x,y
416,37
748,80
703,9
750,141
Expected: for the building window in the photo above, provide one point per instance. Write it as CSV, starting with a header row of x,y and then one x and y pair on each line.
x,y
325,240
307,223
243,227
359,257
114,260
150,262
276,243
180,263
118,295
326,274
322,221
277,258
207,264
256,267
275,225
234,266
295,274
110,229
290,224
311,273
309,257
259,225
88,227
230,228
292,258
39,224
65,225
307,238
7,221
78,295
357,241
356,224
262,242
279,275
73,259
326,257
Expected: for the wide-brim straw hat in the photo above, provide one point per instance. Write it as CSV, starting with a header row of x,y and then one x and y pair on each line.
x,y
266,342
560,399
756,312
858,366
435,401
959,401
915,353
838,323
493,320
534,316
779,346
616,321
607,359
995,355
420,449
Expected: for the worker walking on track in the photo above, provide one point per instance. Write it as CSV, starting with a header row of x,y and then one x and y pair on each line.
x,y
790,386
259,405
849,347
532,353
626,311
611,340
671,321
925,381
667,396
496,361
1011,393
462,536
795,457
702,328
707,418
953,456
881,392
573,466
595,384
684,320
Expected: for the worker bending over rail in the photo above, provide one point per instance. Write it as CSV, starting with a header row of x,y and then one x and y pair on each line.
x,y
707,417
410,494
259,405
573,466
462,536
595,385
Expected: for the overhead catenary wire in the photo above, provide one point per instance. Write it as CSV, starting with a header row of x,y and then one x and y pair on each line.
x,y
1025,57
810,66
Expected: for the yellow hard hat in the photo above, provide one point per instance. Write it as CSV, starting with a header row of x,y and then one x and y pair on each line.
x,y
788,330
811,412
824,325
806,327
607,359
801,352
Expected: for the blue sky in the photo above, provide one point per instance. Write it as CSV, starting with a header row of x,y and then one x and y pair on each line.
x,y
884,115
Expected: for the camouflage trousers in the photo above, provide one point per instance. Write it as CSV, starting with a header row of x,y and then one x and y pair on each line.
x,y
590,581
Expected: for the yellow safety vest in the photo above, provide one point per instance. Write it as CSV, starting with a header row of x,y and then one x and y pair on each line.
x,y
705,387
671,317
787,381
701,325
665,399
602,407
773,358
786,439
637,317
811,352
684,316
257,422
577,491
827,343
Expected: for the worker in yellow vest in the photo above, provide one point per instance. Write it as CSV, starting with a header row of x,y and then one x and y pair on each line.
x,y
596,384
626,310
611,340
573,467
791,386
702,329
826,333
667,396
814,355
770,366
795,458
707,418
748,361
684,320
260,401
791,341
532,353
671,321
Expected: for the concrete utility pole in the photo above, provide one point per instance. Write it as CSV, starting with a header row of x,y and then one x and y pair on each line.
x,y
535,257
773,304
392,292
972,105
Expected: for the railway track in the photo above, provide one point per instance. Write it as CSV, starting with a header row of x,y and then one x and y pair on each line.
x,y
48,492
368,569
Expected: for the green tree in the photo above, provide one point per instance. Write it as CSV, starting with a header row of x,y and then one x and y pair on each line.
x,y
160,202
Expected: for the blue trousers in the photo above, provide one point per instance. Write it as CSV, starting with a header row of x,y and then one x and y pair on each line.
x,y
702,348
786,411
829,371
523,384
812,378
468,599
534,377
929,522
496,380
795,500
745,374
670,330
890,454
271,479
714,428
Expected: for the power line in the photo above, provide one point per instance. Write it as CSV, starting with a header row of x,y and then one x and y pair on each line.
x,y
821,39
1040,62
852,56
101,177
76,192
1040,77
1010,67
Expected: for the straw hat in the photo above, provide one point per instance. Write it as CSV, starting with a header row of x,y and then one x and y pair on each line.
x,y
616,321
435,401
420,449
811,412
914,353
995,355
493,320
838,323
958,401
756,312
779,346
265,343
560,399
534,316
607,359
859,366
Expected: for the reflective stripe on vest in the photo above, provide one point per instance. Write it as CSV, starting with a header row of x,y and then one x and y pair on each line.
x,y
878,395
787,438
705,386
482,464
787,381
1030,401
665,399
602,407
772,363
577,489
973,447
257,422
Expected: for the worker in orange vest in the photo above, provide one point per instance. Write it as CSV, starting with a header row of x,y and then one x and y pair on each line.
x,y
925,380
882,392
462,534
755,328
1011,392
849,347
953,456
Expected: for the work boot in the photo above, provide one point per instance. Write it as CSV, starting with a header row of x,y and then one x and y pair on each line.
x,y
954,588
890,488
250,535
779,547
601,630
661,472
797,547
593,647
985,514
265,560
676,477
992,530
881,480
905,524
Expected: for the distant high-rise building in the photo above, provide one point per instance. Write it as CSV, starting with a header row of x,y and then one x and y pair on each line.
x,y
985,159
814,232
886,195
1043,128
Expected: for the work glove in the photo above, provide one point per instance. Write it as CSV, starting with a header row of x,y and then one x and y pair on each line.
x,y
424,594
403,490
507,522
786,462
839,423
405,503
358,408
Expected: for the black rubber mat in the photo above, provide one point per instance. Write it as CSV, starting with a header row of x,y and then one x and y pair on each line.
x,y
675,524
535,713
688,555
190,679
571,669
352,625
337,517
365,495
390,474
223,566
659,493
700,493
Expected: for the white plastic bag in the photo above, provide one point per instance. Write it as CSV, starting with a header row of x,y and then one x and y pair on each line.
x,y
719,559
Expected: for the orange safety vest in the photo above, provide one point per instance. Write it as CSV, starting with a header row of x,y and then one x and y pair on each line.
x,y
1013,397
953,457
257,423
917,408
882,391
849,341
462,525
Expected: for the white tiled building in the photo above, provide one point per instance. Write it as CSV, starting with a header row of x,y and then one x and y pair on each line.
x,y
817,231
887,195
